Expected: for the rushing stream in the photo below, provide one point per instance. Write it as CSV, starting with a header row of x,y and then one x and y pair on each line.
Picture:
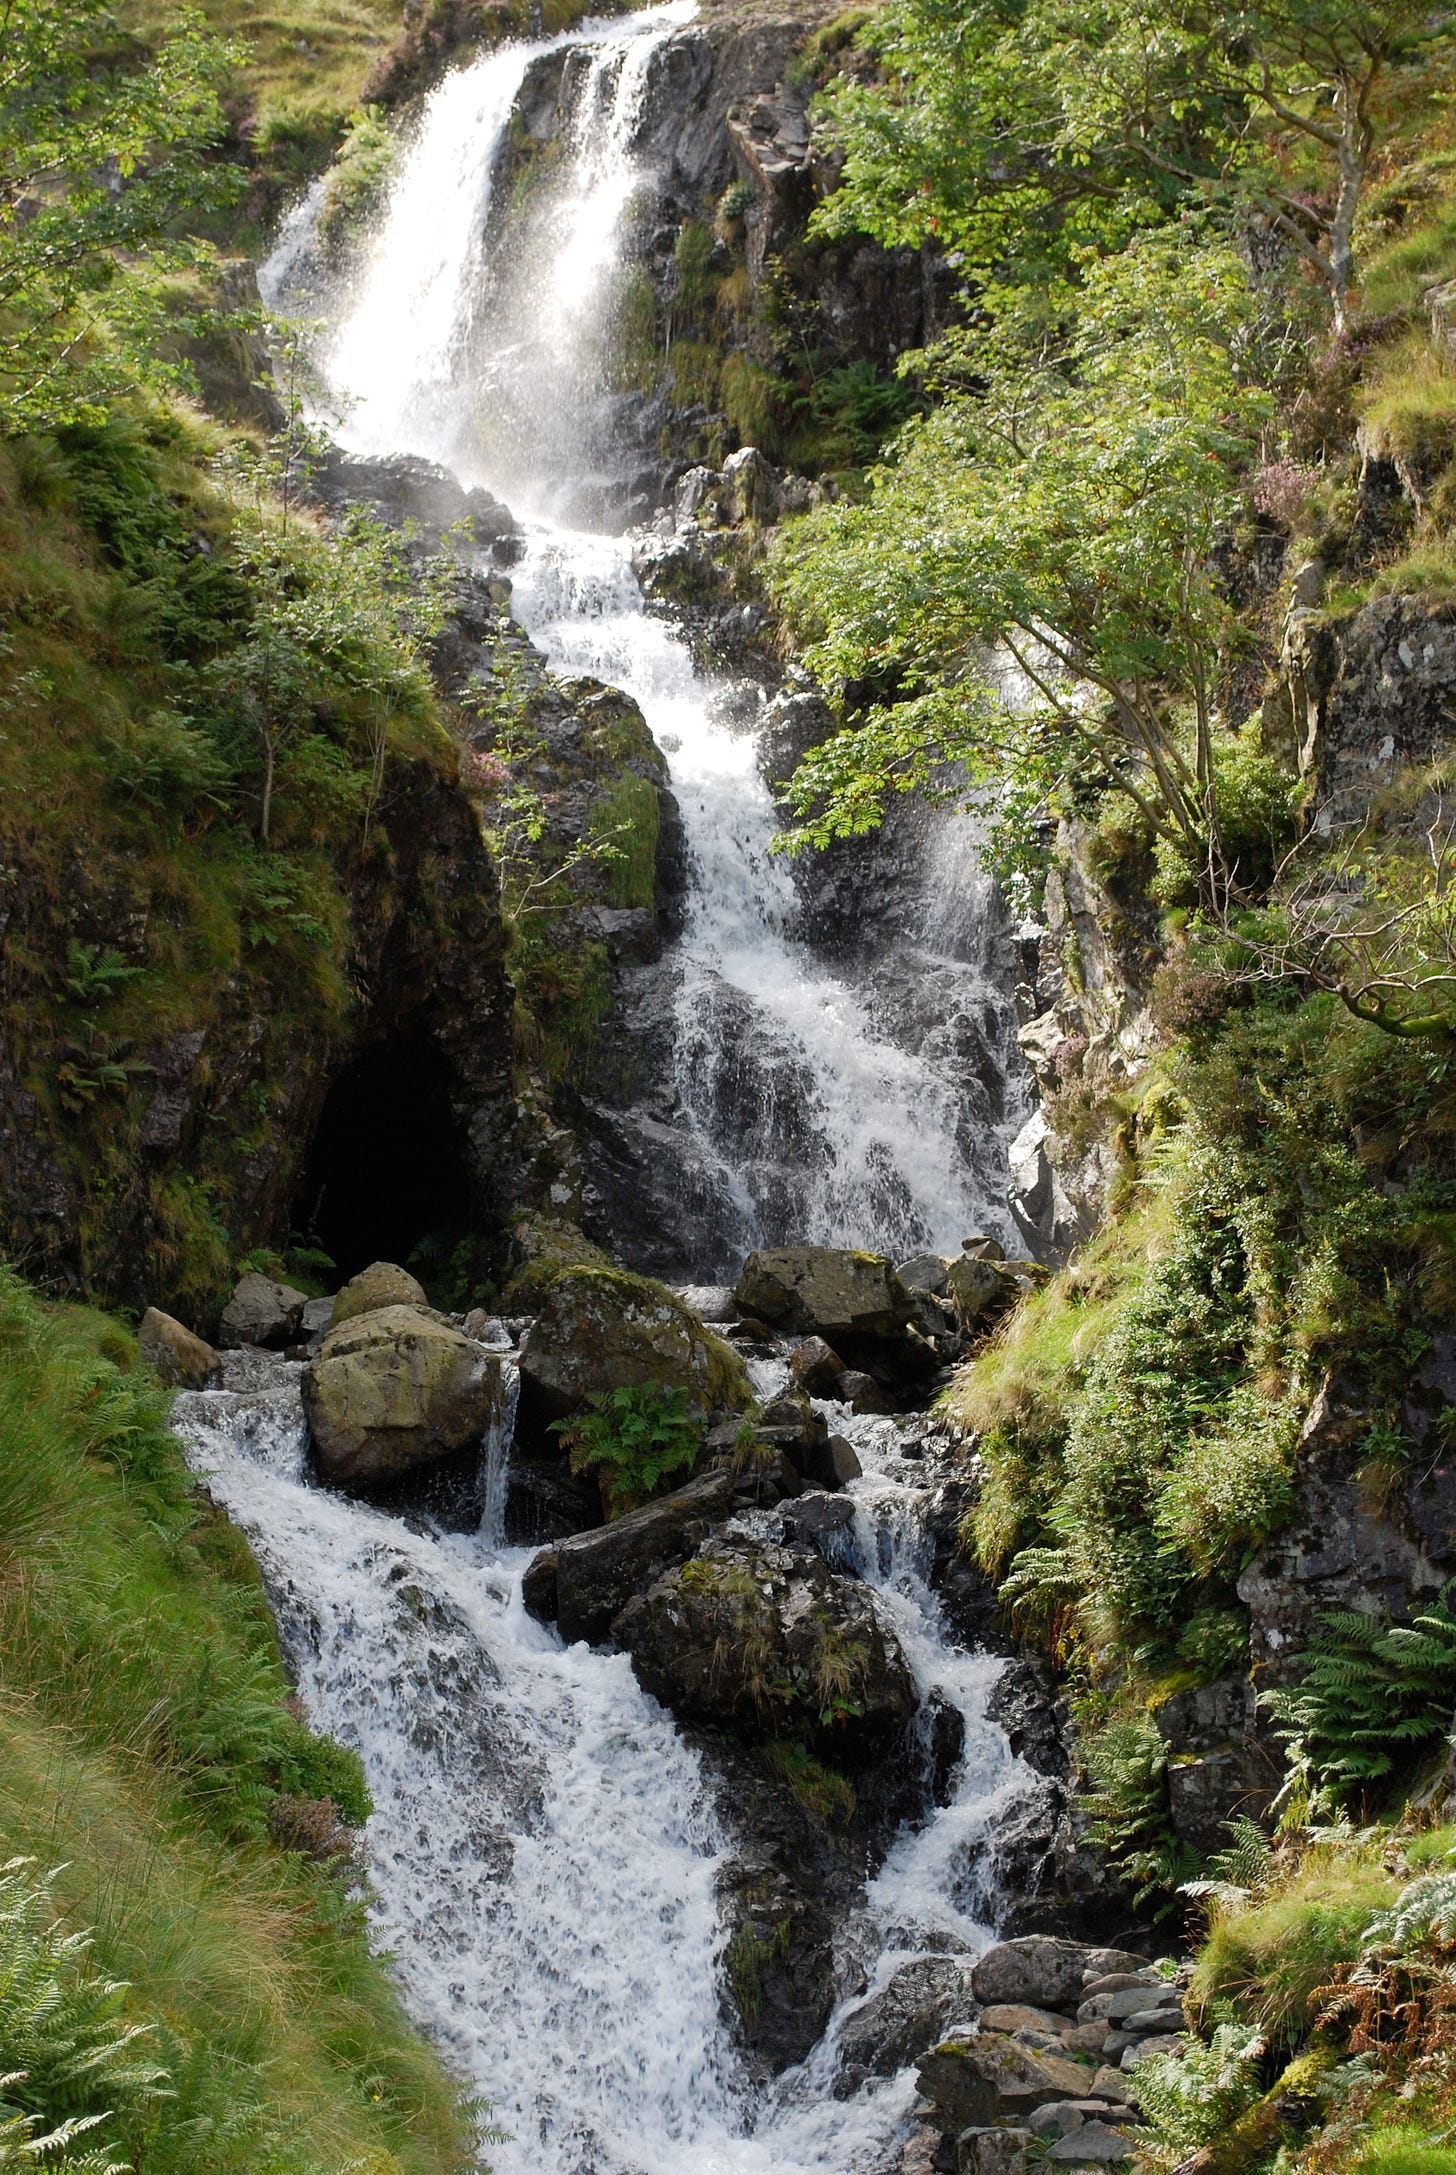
x,y
545,1846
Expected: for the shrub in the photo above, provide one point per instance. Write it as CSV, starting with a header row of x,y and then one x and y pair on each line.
x,y
633,1440
1374,1695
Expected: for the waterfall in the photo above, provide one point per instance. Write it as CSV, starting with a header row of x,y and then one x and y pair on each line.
x,y
545,1850
544,1847
799,1113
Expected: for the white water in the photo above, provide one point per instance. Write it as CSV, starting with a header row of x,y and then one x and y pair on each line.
x,y
811,1121
544,1847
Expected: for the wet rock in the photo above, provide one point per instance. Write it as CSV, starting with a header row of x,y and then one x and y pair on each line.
x,y
393,1390
978,2078
1045,1973
538,1587
791,1421
816,1367
816,1518
545,1503
765,1640
944,1735
181,1359
599,1329
598,1573
382,1284
921,2002
831,1463
261,1312
862,1393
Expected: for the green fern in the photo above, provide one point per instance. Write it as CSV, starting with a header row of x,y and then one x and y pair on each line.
x,y
634,1439
63,2045
21,2145
1374,1695
1186,2099
1423,1917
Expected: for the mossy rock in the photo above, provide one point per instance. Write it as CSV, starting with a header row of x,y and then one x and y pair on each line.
x,y
602,1329
382,1284
543,1248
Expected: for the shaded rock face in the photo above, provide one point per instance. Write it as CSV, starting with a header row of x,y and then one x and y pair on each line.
x,y
425,956
393,1390
601,1330
762,1639
918,2006
1359,697
1338,1551
598,1573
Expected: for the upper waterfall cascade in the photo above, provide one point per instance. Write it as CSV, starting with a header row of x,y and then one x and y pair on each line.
x,y
802,1115
545,1850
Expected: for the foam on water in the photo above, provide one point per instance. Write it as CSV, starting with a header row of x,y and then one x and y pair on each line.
x,y
544,1848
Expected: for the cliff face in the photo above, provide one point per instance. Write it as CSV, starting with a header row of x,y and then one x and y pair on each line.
x,y
139,1175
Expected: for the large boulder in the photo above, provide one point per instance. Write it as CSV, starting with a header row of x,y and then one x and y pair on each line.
x,y
597,1573
262,1312
853,1301
824,1291
599,1329
395,1389
382,1284
1043,1973
978,2077
182,1360
765,1640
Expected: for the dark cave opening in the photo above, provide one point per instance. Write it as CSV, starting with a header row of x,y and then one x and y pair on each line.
x,y
387,1164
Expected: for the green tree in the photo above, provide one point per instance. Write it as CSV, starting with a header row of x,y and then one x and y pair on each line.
x,y
1012,134
1063,517
103,155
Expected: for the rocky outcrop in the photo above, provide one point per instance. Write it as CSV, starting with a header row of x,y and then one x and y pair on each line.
x,y
1360,696
393,1390
599,1329
762,1639
1050,2060
1087,1033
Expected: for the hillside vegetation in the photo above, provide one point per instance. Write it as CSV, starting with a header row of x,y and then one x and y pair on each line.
x,y
1200,408
182,1935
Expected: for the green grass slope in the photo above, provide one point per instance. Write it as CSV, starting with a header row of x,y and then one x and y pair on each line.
x,y
152,1770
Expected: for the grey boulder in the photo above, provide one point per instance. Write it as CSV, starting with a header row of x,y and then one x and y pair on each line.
x,y
395,1389
261,1312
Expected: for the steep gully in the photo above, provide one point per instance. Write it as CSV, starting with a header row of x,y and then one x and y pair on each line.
x,y
546,1850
